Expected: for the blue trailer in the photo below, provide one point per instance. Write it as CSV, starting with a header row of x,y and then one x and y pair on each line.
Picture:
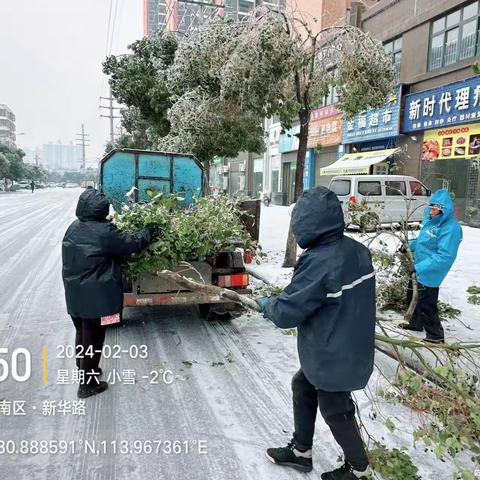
x,y
120,170
131,173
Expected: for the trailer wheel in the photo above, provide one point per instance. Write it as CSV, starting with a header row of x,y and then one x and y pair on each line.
x,y
204,309
217,312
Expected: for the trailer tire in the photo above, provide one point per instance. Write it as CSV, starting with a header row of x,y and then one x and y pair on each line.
x,y
204,309
218,312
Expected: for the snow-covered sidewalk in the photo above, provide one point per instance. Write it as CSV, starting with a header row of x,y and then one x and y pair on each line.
x,y
466,272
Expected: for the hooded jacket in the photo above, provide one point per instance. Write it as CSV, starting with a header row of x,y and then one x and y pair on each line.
x,y
437,244
331,298
91,251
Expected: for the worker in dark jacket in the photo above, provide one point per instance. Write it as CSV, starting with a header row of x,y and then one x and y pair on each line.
x,y
91,251
331,301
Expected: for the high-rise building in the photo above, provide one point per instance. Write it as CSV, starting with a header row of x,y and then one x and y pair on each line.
x,y
61,157
7,126
185,15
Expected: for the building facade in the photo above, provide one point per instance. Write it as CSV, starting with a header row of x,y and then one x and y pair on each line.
x,y
183,16
436,45
430,125
7,126
61,157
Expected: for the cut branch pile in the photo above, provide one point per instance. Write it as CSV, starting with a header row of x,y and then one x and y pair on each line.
x,y
209,225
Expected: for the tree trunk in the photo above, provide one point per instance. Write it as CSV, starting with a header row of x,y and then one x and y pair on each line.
x,y
291,247
206,169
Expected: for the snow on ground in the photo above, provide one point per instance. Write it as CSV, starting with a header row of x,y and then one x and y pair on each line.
x,y
465,272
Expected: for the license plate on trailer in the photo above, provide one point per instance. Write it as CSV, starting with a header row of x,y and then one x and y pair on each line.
x,y
110,319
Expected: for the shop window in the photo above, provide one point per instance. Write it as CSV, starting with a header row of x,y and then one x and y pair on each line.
x,y
394,48
454,37
369,188
395,188
340,187
419,190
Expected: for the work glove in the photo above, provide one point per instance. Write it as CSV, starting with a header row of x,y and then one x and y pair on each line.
x,y
402,249
153,230
263,303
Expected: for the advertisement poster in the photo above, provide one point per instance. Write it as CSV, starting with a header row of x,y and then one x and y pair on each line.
x,y
449,143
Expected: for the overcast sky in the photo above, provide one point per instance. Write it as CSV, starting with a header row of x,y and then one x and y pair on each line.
x,y
50,65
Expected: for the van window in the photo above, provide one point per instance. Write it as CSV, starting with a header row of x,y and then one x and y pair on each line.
x,y
418,189
395,188
340,187
369,188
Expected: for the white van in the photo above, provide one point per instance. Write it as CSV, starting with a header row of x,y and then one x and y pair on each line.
x,y
388,196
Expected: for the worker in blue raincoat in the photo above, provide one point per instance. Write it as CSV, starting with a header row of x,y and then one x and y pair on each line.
x,y
331,301
434,252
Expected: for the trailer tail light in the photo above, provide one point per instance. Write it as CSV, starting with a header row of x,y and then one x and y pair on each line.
x,y
247,256
352,199
235,280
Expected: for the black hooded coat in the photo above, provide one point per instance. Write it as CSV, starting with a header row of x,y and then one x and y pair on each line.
x,y
331,298
91,251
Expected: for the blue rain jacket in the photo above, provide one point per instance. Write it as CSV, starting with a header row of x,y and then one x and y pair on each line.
x,y
331,298
437,244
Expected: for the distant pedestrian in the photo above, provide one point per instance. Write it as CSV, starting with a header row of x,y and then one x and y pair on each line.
x,y
331,301
434,252
92,276
32,186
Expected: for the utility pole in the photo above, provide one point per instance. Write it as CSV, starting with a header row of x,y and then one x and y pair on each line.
x,y
82,140
110,115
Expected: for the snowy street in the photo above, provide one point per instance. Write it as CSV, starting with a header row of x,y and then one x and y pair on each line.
x,y
220,389
231,380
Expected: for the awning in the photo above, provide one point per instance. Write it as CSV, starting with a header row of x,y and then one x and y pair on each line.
x,y
357,163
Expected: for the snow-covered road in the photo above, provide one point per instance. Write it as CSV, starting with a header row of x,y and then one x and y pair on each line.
x,y
230,395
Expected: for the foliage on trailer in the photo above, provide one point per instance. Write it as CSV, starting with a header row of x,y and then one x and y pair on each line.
x,y
211,224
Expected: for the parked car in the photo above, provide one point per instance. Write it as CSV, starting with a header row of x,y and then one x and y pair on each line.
x,y
71,185
388,196
22,185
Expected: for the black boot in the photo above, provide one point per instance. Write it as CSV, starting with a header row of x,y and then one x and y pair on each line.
x,y
87,390
347,472
289,456
434,340
407,326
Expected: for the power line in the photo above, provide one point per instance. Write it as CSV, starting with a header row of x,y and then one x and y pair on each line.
x,y
112,33
108,28
106,43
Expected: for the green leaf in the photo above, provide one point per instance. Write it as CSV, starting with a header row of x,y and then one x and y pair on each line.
x,y
390,425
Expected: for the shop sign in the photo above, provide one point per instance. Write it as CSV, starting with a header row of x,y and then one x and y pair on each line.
x,y
326,132
462,141
289,140
451,104
324,112
308,170
374,124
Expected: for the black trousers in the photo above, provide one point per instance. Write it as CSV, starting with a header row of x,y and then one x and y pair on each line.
x,y
426,315
338,411
89,333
